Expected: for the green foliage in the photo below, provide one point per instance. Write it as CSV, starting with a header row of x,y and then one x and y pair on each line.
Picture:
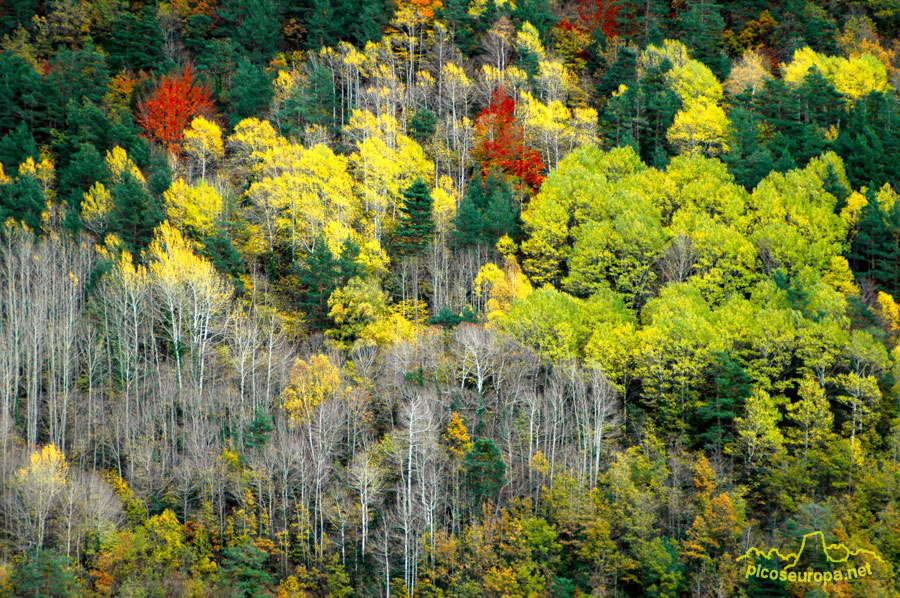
x,y
135,42
45,574
416,226
486,212
245,567
251,91
485,472
135,213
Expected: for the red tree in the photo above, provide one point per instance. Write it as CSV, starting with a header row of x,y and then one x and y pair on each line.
x,y
170,107
500,143
599,13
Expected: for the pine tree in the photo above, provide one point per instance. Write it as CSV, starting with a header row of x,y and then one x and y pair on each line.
x,y
317,275
22,200
487,212
135,213
136,42
416,222
251,91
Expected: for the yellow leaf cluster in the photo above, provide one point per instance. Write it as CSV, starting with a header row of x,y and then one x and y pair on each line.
x,y
197,207
311,383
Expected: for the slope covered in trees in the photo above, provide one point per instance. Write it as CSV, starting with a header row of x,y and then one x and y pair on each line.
x,y
446,298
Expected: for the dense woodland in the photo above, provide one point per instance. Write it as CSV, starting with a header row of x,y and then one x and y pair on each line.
x,y
472,298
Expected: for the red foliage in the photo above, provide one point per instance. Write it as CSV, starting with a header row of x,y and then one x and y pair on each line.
x,y
171,106
500,143
599,13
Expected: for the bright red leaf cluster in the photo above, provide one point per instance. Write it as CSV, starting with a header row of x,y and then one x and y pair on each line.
x,y
599,13
500,143
170,107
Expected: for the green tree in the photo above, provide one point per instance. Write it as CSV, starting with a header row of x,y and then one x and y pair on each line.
x,y
136,42
251,91
135,214
245,567
416,226
485,472
486,212
45,574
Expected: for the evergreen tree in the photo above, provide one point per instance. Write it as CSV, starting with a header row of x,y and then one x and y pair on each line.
x,y
84,169
135,213
312,103
487,212
416,225
22,200
724,399
317,277
485,472
20,93
136,42
245,567
320,274
251,91
17,146
45,574
423,124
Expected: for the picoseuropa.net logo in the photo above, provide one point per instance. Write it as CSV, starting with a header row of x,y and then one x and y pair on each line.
x,y
807,566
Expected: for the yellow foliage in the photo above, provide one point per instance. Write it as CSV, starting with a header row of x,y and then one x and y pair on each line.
x,y
528,39
840,276
855,77
539,463
46,467
44,172
457,437
501,287
182,273
251,138
749,73
311,383
653,56
443,208
203,142
197,207
703,127
96,206
118,163
890,311
388,330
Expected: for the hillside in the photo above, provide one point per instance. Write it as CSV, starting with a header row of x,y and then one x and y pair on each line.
x,y
446,299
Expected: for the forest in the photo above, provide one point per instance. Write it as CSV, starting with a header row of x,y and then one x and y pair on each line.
x,y
448,298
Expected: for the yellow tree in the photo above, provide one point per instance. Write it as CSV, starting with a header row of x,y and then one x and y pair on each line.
x,y
193,294
203,142
703,126
196,207
385,162
311,383
37,487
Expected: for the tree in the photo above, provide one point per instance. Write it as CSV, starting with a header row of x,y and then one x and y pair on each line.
x,y
500,143
37,488
487,212
485,473
203,142
703,126
136,42
135,213
416,225
244,566
45,574
758,434
173,102
251,91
